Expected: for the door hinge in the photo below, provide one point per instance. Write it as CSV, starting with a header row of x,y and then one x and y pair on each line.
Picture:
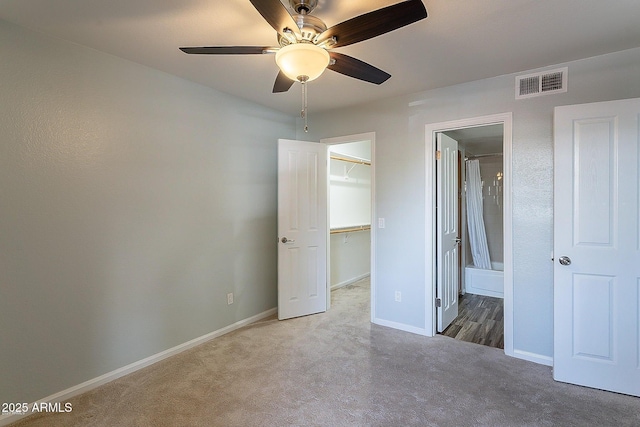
x,y
438,302
438,155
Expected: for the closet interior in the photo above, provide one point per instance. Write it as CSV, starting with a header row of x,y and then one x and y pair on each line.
x,y
349,212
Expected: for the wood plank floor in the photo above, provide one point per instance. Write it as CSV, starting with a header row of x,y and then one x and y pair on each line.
x,y
480,320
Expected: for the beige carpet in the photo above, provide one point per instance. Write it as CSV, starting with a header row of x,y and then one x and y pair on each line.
x,y
336,369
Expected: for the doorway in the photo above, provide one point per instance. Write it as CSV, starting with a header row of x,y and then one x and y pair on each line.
x,y
480,232
502,121
350,244
304,268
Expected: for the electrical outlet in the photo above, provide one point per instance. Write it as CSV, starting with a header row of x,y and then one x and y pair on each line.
x,y
398,296
380,222
230,298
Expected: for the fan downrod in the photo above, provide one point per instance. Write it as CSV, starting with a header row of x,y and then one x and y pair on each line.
x,y
310,26
303,7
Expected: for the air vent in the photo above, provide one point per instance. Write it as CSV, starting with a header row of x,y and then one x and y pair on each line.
x,y
543,83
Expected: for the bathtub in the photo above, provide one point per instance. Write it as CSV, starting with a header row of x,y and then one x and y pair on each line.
x,y
485,282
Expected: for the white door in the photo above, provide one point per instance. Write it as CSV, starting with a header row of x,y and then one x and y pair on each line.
x,y
448,252
596,246
302,228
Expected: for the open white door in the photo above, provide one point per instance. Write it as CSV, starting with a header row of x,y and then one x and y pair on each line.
x,y
596,246
302,228
448,251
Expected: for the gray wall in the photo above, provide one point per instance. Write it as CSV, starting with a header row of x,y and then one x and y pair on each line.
x,y
131,203
400,177
350,257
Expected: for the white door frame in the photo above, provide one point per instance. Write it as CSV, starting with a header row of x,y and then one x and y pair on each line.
x,y
506,119
369,136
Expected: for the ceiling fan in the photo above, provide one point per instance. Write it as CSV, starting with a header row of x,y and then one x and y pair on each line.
x,y
305,42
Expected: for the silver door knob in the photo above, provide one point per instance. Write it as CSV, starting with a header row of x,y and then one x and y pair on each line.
x,y
564,260
285,240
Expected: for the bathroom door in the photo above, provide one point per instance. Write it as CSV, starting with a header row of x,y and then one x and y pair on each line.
x,y
448,241
597,245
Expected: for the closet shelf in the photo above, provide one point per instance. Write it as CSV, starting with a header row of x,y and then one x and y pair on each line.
x,y
350,229
351,160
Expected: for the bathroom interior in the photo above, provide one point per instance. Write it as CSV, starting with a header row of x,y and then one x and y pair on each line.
x,y
481,292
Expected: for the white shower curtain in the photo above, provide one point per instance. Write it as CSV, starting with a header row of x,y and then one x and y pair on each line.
x,y
475,220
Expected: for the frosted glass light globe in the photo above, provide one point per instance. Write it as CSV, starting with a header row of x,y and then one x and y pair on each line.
x,y
301,60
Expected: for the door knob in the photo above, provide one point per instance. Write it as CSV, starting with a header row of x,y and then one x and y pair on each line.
x,y
564,260
285,240
458,240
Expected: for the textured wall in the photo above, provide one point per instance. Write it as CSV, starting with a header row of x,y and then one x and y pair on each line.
x,y
132,202
400,177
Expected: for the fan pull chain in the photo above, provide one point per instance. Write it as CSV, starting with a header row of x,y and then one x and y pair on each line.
x,y
303,112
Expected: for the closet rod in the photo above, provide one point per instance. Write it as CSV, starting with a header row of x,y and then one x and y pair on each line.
x,y
350,229
477,156
344,159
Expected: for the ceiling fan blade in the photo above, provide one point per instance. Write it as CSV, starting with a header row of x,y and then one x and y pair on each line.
x,y
357,69
228,50
274,12
375,23
282,84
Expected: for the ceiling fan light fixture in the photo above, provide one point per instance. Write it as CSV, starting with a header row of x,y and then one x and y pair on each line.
x,y
301,60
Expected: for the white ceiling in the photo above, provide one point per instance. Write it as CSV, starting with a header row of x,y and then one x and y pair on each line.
x,y
460,41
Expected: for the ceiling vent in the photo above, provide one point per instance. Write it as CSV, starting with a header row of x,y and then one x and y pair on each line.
x,y
543,83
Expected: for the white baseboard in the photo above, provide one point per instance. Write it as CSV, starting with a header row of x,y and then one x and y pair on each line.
x,y
64,395
533,357
400,326
350,281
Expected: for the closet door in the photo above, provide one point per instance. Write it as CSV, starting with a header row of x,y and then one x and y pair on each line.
x,y
597,245
302,228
